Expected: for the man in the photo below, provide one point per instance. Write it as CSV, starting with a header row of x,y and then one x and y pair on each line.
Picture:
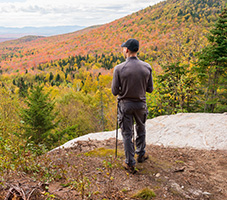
x,y
131,80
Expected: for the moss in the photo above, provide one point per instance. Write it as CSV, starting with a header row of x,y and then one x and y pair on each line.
x,y
103,152
145,194
179,161
124,190
96,193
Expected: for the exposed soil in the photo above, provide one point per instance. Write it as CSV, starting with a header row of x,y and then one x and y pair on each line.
x,y
88,171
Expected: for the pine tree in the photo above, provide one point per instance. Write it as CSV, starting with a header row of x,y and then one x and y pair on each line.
x,y
38,117
212,66
22,87
51,76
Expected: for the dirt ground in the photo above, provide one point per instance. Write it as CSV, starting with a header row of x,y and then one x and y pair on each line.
x,y
90,171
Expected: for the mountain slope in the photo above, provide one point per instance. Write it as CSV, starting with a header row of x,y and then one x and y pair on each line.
x,y
169,31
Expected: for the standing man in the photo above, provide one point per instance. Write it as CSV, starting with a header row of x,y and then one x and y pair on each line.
x,y
131,80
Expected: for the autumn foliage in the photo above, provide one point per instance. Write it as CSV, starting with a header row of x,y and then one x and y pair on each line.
x,y
76,69
167,31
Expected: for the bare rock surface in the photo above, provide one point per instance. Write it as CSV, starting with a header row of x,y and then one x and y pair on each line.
x,y
193,130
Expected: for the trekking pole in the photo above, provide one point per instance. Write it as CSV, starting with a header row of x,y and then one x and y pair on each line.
x,y
133,135
116,133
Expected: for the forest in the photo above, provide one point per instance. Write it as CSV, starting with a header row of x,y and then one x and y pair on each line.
x,y
57,88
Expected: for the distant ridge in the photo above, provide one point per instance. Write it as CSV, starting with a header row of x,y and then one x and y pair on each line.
x,y
40,31
5,39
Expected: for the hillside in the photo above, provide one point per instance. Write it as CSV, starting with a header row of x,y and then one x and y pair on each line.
x,y
170,30
177,169
90,171
55,89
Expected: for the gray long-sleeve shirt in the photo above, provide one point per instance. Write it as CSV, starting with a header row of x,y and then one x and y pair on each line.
x,y
132,79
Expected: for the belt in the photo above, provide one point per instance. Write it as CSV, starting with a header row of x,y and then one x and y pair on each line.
x,y
130,100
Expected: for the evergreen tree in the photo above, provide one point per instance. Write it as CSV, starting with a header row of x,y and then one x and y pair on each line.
x,y
38,117
22,87
212,66
58,78
51,76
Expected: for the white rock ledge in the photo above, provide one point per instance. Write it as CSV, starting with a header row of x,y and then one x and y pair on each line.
x,y
193,130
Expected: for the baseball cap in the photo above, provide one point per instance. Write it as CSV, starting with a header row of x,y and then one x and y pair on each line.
x,y
131,44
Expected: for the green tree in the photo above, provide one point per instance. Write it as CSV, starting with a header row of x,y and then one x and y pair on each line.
x,y
38,118
51,76
22,87
212,66
176,91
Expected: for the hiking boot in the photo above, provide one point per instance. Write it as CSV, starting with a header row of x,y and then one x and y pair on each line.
x,y
131,169
142,158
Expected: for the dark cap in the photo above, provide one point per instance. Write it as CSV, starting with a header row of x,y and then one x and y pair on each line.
x,y
131,44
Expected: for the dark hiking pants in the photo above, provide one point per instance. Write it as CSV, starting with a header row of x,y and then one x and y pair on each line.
x,y
128,112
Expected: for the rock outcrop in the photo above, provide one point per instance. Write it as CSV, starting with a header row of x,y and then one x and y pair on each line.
x,y
193,130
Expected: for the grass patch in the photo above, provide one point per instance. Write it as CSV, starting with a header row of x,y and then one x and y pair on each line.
x,y
179,161
103,152
145,194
